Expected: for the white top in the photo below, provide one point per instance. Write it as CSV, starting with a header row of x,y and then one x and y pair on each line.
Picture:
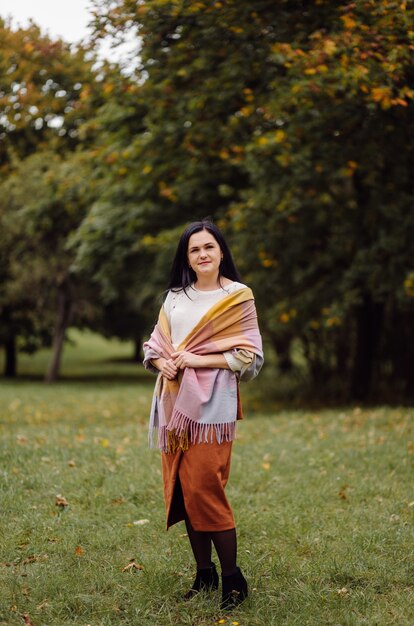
x,y
185,311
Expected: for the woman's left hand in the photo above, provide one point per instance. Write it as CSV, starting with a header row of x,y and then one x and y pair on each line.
x,y
183,359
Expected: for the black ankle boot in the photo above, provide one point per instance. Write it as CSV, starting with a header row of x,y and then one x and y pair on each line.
x,y
206,579
234,589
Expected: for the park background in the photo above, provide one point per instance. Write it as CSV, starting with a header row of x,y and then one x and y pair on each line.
x,y
290,124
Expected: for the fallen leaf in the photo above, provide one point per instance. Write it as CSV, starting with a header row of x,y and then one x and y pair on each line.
x,y
132,566
42,605
27,619
72,463
342,592
61,501
79,551
119,500
33,558
342,492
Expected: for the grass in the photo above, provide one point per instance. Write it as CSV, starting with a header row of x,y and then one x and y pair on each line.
x,y
324,502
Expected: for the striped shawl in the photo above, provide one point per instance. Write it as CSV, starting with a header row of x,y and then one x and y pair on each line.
x,y
203,401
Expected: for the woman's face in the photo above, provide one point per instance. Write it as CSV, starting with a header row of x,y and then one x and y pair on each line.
x,y
204,254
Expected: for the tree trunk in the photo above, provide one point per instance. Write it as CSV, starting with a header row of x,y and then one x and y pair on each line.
x,y
64,318
137,350
369,323
342,353
10,363
281,344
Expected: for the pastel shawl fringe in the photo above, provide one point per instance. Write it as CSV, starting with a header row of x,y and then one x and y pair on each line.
x,y
202,402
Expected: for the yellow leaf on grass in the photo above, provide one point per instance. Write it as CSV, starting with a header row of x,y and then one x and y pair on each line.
x,y
61,501
342,592
132,566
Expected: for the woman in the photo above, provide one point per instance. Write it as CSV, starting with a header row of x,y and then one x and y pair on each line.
x,y
205,341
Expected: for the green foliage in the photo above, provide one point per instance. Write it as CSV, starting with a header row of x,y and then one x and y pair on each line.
x,y
47,89
42,202
293,128
290,125
331,176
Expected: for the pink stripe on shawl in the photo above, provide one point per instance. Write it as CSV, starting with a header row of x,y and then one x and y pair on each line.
x,y
203,400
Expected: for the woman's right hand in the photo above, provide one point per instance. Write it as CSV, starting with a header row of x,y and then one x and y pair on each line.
x,y
167,367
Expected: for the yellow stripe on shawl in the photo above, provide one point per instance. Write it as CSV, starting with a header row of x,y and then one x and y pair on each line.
x,y
239,296
164,324
162,382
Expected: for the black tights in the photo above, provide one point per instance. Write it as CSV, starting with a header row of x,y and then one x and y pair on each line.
x,y
225,543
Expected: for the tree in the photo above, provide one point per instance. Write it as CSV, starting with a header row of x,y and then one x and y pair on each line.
x,y
48,90
331,175
47,197
267,116
174,146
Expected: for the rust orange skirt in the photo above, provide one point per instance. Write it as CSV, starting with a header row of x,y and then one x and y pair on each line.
x,y
194,483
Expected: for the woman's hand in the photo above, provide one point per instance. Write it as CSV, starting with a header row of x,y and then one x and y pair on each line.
x,y
167,367
183,359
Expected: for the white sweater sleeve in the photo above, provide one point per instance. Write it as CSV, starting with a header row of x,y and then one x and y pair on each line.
x,y
238,360
234,364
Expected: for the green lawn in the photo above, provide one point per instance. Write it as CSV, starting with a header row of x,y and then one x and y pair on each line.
x,y
324,503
